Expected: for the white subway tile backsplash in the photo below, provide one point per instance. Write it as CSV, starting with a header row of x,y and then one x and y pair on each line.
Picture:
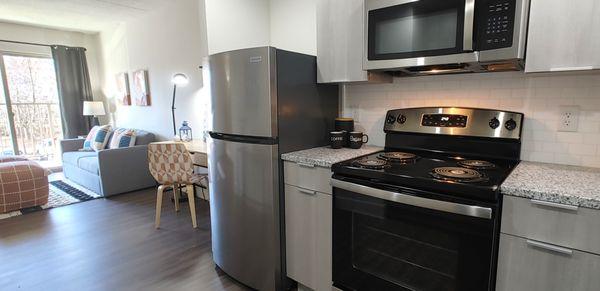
x,y
582,149
537,96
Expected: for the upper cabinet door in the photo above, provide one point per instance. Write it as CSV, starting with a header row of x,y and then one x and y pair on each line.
x,y
563,36
340,39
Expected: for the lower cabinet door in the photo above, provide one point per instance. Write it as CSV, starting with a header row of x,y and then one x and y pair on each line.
x,y
308,237
324,242
530,265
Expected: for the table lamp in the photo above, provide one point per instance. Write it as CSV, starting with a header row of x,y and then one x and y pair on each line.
x,y
95,109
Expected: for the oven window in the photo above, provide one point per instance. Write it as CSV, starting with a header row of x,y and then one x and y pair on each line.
x,y
409,255
383,245
416,29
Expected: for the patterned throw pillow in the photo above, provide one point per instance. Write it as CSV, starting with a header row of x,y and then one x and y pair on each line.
x,y
122,138
97,138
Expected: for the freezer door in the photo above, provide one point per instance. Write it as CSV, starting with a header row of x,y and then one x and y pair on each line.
x,y
243,92
244,211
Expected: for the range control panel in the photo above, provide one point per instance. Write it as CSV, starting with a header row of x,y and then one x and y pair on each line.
x,y
496,20
444,120
455,121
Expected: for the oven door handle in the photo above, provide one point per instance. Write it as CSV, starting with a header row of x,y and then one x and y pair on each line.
x,y
469,25
445,206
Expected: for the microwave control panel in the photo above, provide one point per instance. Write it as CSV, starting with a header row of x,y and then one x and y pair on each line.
x,y
496,23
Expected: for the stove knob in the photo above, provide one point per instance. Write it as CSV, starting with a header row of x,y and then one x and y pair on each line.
x,y
390,119
510,124
401,119
494,123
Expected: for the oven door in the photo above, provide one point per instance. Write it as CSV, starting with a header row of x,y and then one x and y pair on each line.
x,y
406,33
395,240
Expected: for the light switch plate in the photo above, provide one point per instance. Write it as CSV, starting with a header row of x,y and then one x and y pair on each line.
x,y
568,118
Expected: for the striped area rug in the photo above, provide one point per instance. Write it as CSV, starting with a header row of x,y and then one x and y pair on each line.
x,y
62,192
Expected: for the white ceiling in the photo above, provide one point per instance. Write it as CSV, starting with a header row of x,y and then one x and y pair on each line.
x,y
76,15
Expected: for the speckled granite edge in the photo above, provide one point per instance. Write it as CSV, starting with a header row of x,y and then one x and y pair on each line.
x,y
562,184
326,156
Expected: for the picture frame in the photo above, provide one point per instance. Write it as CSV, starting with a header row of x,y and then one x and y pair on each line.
x,y
123,90
141,90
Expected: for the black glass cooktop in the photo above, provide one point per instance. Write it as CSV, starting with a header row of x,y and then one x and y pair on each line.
x,y
457,175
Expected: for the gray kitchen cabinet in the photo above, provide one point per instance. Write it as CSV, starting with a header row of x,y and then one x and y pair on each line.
x,y
340,41
548,246
525,264
308,224
565,225
563,36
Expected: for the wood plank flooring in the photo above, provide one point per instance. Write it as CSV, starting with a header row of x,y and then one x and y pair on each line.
x,y
110,244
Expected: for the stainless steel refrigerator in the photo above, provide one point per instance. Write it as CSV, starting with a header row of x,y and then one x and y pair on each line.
x,y
265,102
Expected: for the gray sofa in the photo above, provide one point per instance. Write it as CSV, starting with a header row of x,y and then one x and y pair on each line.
x,y
111,171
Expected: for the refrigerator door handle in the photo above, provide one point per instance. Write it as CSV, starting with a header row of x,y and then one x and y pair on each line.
x,y
266,140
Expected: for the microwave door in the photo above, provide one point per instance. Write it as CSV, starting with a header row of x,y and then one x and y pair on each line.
x,y
403,33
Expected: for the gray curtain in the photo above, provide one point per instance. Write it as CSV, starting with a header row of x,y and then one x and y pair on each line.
x,y
74,87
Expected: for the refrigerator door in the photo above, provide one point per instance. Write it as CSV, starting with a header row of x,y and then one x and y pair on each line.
x,y
243,92
244,211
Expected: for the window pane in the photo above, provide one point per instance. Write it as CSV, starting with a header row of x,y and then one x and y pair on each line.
x,y
34,99
31,79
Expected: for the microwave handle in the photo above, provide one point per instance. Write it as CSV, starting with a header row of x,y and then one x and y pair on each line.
x,y
469,25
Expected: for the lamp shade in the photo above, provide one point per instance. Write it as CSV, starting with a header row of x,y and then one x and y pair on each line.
x,y
180,79
94,108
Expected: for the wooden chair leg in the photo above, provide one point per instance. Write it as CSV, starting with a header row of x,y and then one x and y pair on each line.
x,y
176,195
159,198
190,194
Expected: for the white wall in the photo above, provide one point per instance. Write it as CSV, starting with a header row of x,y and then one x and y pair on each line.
x,y
165,42
237,24
294,25
26,33
538,97
285,24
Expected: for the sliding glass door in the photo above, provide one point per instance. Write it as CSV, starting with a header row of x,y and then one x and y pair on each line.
x,y
30,121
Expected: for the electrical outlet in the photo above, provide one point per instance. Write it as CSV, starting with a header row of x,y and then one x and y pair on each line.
x,y
568,118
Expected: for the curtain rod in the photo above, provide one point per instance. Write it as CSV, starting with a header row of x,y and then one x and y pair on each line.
x,y
32,43
24,42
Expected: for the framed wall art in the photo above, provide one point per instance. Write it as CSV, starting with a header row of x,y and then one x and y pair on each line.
x,y
141,90
123,92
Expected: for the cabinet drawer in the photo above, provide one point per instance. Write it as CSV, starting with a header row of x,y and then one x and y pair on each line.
x,y
307,176
563,225
529,265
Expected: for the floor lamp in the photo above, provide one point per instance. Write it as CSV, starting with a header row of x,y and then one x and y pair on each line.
x,y
178,79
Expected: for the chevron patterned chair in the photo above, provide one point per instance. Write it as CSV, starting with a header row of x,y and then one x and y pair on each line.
x,y
171,165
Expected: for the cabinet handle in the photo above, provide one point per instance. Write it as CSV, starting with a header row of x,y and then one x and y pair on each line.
x,y
308,192
583,68
555,205
306,165
549,247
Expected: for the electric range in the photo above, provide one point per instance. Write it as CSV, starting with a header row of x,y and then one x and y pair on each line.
x,y
424,214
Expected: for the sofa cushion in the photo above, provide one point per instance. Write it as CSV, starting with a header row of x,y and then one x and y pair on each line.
x,y
74,157
98,137
142,137
89,164
122,138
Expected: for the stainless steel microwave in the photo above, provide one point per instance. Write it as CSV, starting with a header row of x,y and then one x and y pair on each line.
x,y
445,36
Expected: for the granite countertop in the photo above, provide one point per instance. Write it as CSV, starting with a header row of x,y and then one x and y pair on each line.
x,y
569,185
326,156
